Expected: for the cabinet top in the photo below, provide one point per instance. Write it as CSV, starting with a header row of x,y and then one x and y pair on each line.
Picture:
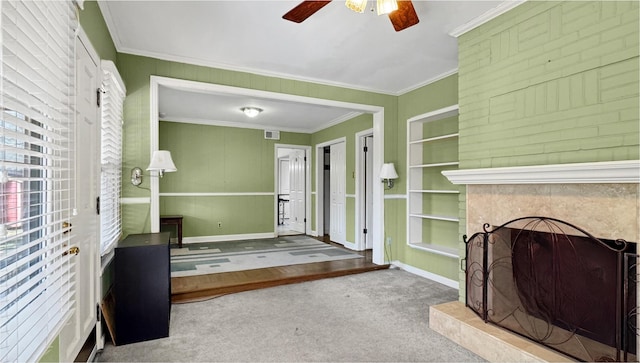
x,y
145,239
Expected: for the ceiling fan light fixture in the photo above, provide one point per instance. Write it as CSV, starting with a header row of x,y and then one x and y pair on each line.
x,y
356,5
251,111
387,6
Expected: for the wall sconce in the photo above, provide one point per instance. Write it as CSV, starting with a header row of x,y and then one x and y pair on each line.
x,y
160,161
388,174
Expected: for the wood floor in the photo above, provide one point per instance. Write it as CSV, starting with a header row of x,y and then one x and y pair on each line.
x,y
202,287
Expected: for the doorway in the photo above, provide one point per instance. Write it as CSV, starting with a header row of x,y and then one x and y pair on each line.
x,y
292,189
331,190
378,128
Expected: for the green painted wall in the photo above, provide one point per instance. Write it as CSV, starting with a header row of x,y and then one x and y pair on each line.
x,y
346,129
550,83
215,159
136,70
94,26
52,354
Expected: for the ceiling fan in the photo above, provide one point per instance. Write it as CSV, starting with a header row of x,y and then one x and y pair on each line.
x,y
402,18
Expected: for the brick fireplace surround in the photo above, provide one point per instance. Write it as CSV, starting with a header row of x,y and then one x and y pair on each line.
x,y
602,198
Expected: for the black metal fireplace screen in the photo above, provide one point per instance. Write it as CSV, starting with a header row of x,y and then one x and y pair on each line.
x,y
556,284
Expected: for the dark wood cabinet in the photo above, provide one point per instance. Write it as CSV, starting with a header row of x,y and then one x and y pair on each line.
x,y
142,288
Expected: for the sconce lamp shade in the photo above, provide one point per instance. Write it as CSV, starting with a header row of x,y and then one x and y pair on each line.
x,y
388,174
161,161
388,171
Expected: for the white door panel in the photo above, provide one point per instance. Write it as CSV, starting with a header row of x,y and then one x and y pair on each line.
x,y
85,222
337,169
297,191
368,182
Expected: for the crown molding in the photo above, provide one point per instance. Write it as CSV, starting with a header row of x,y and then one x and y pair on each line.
x,y
485,17
627,171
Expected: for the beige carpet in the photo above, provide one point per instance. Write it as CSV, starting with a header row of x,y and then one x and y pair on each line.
x,y
380,316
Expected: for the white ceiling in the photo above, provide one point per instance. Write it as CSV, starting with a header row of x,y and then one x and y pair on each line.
x,y
335,46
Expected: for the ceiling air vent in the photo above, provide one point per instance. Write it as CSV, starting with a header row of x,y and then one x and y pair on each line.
x,y
271,135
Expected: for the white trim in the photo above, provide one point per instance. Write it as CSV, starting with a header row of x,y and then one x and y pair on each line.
x,y
314,234
313,193
429,81
626,171
486,17
395,196
336,121
350,195
378,142
227,237
243,194
140,200
426,274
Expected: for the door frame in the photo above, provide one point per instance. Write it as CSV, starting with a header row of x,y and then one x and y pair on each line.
x,y
307,184
360,242
377,113
320,182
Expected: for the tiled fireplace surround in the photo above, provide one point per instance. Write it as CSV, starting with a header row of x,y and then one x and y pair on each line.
x,y
602,198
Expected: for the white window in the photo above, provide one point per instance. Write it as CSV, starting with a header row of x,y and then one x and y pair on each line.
x,y
111,157
36,138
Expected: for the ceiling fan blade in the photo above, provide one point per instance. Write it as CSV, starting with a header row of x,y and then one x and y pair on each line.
x,y
405,16
304,10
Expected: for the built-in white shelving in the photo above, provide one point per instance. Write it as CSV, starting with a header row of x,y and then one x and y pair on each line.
x,y
432,147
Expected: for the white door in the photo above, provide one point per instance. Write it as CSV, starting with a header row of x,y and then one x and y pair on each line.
x,y
85,222
368,195
337,167
297,171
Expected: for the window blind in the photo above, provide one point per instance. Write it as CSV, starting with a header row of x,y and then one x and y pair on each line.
x,y
111,157
36,138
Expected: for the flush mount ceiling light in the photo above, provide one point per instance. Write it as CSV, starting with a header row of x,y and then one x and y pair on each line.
x,y
251,111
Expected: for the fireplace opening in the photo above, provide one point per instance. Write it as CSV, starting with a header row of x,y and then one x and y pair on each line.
x,y
557,285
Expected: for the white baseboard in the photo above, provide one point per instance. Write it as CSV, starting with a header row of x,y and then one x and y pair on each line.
x,y
314,234
227,237
428,275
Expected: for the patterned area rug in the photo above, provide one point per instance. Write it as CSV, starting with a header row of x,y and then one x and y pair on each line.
x,y
213,257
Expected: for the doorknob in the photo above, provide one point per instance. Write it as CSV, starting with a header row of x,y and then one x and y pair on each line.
x,y
66,225
72,251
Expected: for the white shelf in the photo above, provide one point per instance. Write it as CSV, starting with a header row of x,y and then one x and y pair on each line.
x,y
435,191
448,163
434,217
436,249
423,138
436,138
